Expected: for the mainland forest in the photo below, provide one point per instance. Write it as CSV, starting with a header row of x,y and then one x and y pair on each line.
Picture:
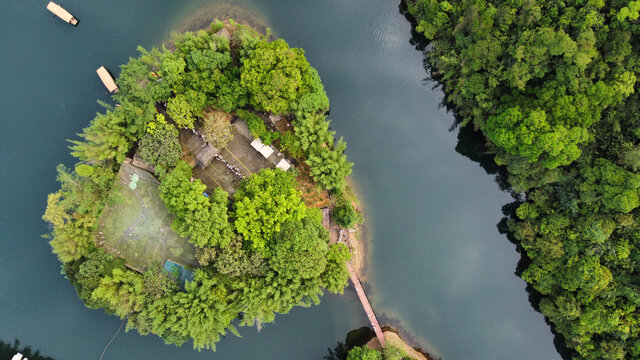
x,y
551,85
262,250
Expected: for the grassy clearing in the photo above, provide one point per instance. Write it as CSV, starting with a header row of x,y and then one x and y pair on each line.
x,y
138,227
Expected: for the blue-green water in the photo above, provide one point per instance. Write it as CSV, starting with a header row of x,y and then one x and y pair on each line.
x,y
437,264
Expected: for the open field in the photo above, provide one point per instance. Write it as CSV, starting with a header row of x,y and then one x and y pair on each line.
x,y
138,227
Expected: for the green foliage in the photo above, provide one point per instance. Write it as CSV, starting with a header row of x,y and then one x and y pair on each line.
x,y
330,167
364,353
263,203
389,352
312,131
157,283
73,211
610,185
273,76
345,214
85,273
257,127
84,170
336,275
234,261
244,40
217,128
183,109
202,219
300,249
136,82
207,317
105,140
122,291
533,138
289,143
161,146
552,87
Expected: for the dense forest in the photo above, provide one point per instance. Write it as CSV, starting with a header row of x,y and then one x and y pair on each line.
x,y
552,87
261,252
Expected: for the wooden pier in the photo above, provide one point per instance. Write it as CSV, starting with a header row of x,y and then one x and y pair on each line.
x,y
62,13
366,305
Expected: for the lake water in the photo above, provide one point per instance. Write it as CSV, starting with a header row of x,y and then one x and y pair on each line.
x,y
437,263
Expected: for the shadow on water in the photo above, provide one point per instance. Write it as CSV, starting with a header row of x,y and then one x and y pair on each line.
x,y
472,145
8,350
356,337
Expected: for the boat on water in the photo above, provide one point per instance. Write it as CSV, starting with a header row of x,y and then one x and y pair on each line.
x,y
62,13
107,79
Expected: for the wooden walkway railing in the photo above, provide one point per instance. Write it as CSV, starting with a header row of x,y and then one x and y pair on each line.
x,y
366,305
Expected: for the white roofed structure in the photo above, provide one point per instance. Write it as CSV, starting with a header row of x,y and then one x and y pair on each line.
x,y
283,165
263,149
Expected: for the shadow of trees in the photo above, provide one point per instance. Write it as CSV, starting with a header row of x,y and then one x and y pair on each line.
x,y
356,337
8,350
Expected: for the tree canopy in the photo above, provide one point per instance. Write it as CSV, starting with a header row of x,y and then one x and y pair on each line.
x,y
263,203
552,87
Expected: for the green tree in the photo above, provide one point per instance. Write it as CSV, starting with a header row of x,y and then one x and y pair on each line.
x,y
106,139
263,203
234,261
273,76
364,353
300,249
160,146
330,167
345,214
122,291
203,219
217,128
183,109
73,211
336,275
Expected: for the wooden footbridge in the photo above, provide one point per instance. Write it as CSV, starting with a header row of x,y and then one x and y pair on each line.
x,y
365,304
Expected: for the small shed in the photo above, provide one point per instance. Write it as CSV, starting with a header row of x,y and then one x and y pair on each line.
x,y
107,79
62,13
283,165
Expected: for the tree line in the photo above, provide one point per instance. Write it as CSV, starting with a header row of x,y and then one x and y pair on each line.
x,y
551,85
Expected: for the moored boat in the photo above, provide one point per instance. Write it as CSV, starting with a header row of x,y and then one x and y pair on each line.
x,y
62,13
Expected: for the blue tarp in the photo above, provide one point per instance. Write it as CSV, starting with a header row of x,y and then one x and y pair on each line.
x,y
178,271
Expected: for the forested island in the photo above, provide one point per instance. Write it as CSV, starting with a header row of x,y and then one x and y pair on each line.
x,y
552,87
179,215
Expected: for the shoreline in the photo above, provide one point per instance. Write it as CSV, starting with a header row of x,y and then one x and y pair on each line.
x,y
393,338
394,334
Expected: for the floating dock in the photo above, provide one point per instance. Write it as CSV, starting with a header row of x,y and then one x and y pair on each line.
x,y
107,79
62,13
